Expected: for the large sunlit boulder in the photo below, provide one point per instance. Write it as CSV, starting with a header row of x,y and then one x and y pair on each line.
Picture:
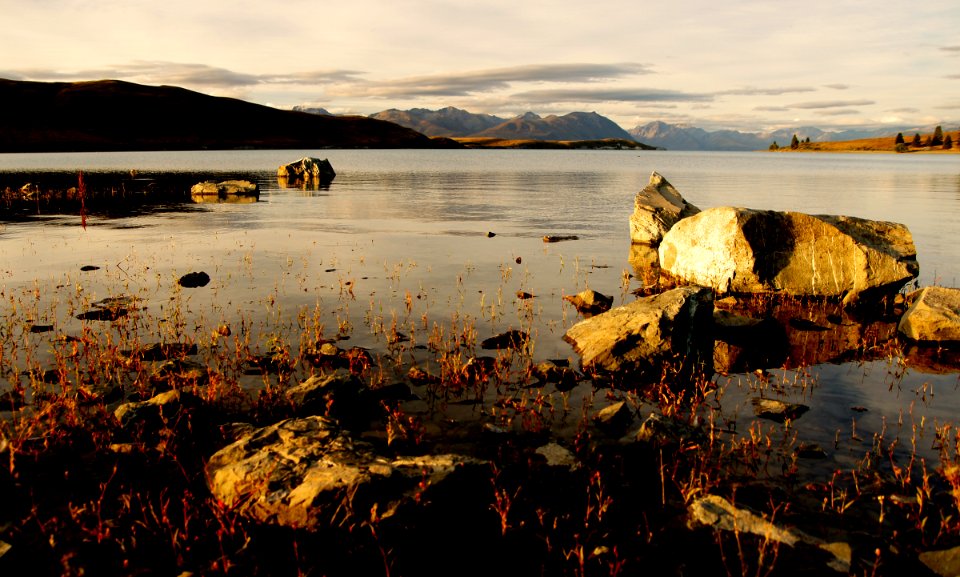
x,y
934,315
751,251
656,209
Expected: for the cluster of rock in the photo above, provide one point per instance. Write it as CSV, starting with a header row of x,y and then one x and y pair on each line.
x,y
736,251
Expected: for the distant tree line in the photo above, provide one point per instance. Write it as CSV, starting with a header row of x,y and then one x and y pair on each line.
x,y
936,139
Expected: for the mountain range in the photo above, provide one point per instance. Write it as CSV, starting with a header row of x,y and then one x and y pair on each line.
x,y
115,115
453,122
456,123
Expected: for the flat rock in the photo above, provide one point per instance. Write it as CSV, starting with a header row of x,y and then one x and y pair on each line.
x,y
656,209
934,315
753,251
296,473
225,188
645,334
945,563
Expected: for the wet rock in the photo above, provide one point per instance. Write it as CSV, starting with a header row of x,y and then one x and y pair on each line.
x,y
194,280
178,373
934,315
307,169
662,430
512,339
590,301
656,209
89,267
335,393
162,351
524,295
421,377
674,326
36,328
750,251
719,514
153,414
297,472
110,314
779,411
614,419
225,188
560,237
564,378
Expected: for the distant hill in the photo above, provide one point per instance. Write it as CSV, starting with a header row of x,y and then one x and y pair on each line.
x,y
456,123
115,115
447,121
680,137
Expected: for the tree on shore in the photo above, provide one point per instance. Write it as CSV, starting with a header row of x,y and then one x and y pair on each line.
x,y
899,139
916,141
937,139
947,142
774,146
794,142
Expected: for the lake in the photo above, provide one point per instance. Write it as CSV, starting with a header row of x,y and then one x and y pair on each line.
x,y
401,241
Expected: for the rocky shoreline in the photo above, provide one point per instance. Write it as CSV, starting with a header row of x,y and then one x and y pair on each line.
x,y
149,458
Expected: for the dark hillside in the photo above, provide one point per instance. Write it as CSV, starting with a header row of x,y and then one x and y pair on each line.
x,y
115,115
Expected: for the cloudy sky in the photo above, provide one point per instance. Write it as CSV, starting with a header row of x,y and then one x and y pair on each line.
x,y
741,64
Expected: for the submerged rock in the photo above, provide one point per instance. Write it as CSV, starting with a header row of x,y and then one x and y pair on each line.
x,y
298,472
590,301
225,188
307,168
656,209
934,315
672,327
750,251
512,339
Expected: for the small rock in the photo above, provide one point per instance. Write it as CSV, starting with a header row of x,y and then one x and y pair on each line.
x,y
89,267
194,280
512,339
491,234
558,456
934,315
779,411
523,295
945,563
590,301
560,237
614,418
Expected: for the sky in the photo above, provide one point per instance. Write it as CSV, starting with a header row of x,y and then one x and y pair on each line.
x,y
732,64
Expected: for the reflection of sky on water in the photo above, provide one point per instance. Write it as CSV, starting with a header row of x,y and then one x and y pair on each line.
x,y
398,222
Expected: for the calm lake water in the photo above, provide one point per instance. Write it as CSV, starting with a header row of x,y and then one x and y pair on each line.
x,y
403,225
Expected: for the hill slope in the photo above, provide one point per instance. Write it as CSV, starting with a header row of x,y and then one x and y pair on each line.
x,y
115,115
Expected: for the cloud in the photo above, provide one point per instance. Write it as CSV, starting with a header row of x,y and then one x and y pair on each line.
x,y
471,82
954,49
838,86
771,108
188,74
753,91
905,110
840,112
610,95
830,104
953,76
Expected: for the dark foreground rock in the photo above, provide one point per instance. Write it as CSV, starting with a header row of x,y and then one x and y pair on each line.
x,y
672,327
656,209
297,473
752,251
